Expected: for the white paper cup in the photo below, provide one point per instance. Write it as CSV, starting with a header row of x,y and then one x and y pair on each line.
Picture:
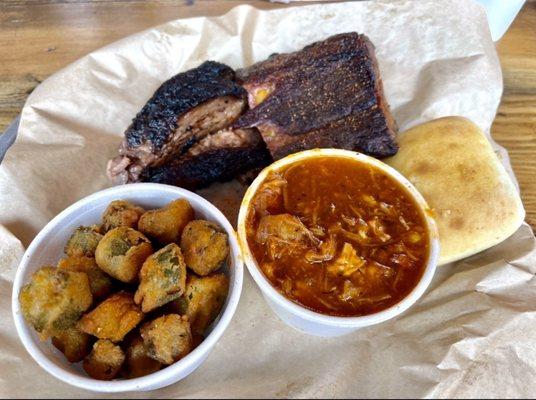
x,y
47,248
311,322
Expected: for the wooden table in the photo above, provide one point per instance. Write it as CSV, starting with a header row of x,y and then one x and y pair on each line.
x,y
39,37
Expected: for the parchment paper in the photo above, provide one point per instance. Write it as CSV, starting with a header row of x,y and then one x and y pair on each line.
x,y
472,334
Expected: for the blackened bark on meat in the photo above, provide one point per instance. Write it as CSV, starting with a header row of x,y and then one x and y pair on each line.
x,y
184,110
194,130
327,95
216,162
157,120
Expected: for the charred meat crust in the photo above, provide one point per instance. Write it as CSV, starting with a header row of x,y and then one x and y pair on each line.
x,y
206,163
193,126
158,119
184,110
327,95
340,134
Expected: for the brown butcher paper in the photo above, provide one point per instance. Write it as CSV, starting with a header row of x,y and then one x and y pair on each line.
x,y
472,333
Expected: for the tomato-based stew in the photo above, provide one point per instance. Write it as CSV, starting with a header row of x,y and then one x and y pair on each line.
x,y
337,236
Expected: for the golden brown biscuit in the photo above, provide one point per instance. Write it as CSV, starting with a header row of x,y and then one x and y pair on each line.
x,y
451,162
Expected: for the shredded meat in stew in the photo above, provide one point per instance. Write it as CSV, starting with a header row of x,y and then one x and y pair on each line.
x,y
337,236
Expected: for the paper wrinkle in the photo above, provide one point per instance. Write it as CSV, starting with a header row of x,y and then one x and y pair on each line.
x,y
495,366
11,252
472,334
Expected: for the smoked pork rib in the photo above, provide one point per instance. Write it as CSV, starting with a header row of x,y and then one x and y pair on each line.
x,y
218,157
329,94
184,110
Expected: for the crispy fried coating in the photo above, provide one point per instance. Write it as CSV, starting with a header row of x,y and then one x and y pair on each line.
x,y
55,299
105,360
73,343
83,241
138,363
113,318
205,246
167,338
204,299
121,213
100,283
165,225
121,253
162,278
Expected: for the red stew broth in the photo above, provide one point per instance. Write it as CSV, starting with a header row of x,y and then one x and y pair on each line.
x,y
337,236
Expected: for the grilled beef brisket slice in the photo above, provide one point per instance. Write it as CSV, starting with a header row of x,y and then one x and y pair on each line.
x,y
218,157
182,111
329,94
159,117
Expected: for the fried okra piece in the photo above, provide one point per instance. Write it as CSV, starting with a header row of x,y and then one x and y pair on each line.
x,y
113,318
165,225
121,213
205,246
54,300
73,343
105,360
121,253
138,363
100,283
83,241
162,278
203,300
167,338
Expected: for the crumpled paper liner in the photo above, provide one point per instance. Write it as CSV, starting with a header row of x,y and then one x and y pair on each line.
x,y
472,334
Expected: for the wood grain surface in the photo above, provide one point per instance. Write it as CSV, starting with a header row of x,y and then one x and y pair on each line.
x,y
39,37
515,124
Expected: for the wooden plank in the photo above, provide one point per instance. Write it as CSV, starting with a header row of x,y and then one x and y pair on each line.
x,y
515,124
37,38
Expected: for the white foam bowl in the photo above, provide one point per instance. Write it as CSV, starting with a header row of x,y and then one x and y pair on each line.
x,y
47,248
302,318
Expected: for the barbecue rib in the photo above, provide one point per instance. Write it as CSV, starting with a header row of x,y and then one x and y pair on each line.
x,y
327,95
218,157
184,110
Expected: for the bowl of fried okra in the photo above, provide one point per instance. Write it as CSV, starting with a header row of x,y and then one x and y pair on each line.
x,y
128,289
